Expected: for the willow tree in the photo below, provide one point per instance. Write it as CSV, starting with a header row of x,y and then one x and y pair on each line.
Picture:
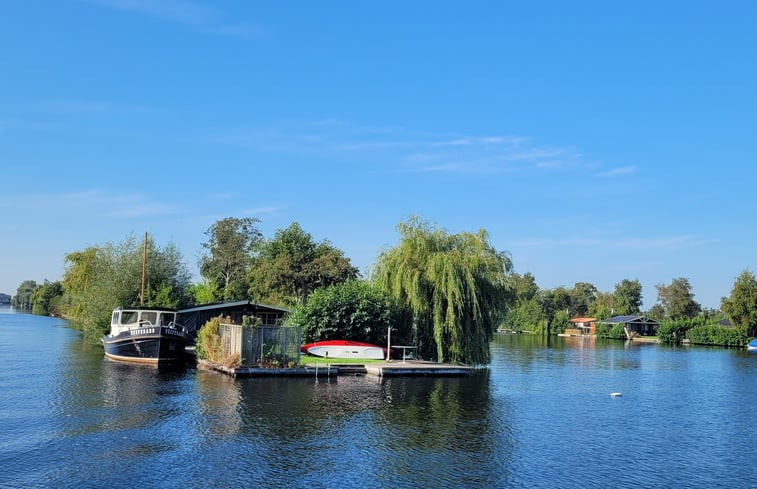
x,y
453,284
100,278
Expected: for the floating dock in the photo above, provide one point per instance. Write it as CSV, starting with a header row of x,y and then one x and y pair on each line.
x,y
415,368
388,369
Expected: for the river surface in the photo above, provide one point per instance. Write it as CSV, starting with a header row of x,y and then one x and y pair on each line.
x,y
540,415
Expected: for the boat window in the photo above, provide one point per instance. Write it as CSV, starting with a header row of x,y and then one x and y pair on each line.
x,y
128,317
151,316
165,318
114,319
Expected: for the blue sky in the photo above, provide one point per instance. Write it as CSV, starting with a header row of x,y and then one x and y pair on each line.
x,y
595,141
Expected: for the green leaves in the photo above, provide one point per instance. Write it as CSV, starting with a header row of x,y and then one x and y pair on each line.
x,y
453,284
230,244
741,305
100,278
354,310
290,266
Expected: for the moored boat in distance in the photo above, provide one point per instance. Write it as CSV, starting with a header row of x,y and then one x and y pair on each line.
x,y
145,335
752,346
344,349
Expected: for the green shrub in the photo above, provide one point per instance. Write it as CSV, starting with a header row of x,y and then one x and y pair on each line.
x,y
674,331
559,322
209,341
613,332
716,335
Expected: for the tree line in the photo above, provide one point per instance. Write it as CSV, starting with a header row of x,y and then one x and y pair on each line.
x,y
445,293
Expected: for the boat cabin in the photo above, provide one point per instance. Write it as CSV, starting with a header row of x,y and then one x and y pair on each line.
x,y
125,319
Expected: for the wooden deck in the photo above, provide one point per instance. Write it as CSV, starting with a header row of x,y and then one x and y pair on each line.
x,y
411,368
414,368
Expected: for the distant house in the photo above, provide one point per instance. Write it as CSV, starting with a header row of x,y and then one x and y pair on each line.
x,y
584,325
635,325
194,317
725,323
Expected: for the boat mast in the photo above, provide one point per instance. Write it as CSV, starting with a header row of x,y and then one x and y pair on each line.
x,y
144,270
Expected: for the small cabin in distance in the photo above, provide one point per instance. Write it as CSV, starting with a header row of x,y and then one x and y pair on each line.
x,y
582,326
194,317
635,325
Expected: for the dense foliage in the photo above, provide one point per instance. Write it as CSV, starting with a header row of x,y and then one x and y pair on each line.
x,y
47,299
612,331
676,300
100,278
290,266
230,244
713,334
354,310
674,331
454,286
741,305
627,298
22,299
549,311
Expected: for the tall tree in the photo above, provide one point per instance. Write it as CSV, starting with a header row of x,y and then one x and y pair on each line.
x,y
741,305
22,299
524,286
582,297
291,265
230,245
100,278
677,299
627,297
45,299
554,300
603,306
454,285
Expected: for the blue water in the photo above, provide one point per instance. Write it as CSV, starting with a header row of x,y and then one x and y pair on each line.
x,y
540,416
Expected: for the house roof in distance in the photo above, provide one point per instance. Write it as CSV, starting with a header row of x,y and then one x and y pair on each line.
x,y
228,305
631,318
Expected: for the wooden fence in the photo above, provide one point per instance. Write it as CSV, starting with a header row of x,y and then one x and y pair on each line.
x,y
274,346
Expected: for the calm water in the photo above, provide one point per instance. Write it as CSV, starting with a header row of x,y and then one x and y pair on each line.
x,y
540,416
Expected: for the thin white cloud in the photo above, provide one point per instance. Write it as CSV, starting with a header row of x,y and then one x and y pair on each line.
x,y
617,172
410,151
145,209
74,106
260,210
201,16
454,142
94,202
181,11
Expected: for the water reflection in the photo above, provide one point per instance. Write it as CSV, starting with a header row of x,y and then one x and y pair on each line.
x,y
540,416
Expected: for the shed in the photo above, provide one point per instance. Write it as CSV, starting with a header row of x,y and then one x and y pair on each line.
x,y
585,325
194,317
635,325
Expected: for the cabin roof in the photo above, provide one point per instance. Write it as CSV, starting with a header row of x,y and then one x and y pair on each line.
x,y
145,308
582,320
631,318
227,305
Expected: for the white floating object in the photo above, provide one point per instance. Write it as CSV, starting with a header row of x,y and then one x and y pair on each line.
x,y
615,394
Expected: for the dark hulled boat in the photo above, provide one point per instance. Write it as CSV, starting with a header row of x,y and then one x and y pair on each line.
x,y
145,335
